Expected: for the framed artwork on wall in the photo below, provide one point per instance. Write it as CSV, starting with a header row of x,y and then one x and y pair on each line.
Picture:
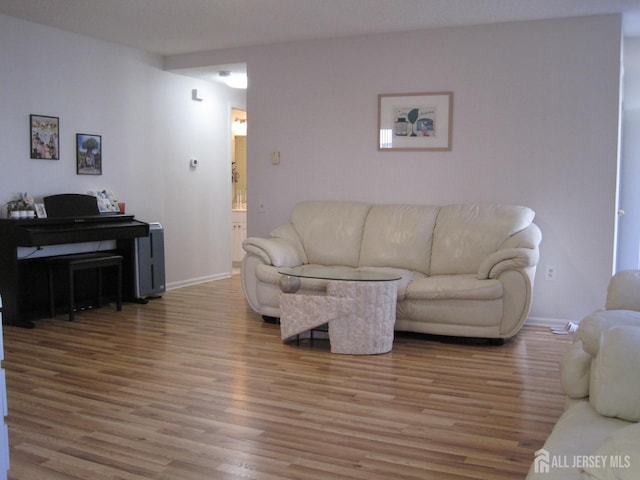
x,y
415,121
45,137
88,154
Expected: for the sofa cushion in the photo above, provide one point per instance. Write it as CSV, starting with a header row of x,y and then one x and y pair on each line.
x,y
466,234
615,374
288,235
620,454
623,292
578,432
407,277
331,232
399,236
592,326
445,287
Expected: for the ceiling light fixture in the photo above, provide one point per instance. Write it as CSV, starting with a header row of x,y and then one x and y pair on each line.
x,y
234,80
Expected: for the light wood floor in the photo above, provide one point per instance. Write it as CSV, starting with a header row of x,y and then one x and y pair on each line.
x,y
194,386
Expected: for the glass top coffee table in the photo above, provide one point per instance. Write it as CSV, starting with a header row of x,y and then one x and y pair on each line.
x,y
359,307
290,280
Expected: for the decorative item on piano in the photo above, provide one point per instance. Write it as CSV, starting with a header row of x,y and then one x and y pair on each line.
x,y
41,211
107,201
21,207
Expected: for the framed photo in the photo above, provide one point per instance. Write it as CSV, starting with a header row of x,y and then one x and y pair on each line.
x,y
41,212
88,154
415,121
45,137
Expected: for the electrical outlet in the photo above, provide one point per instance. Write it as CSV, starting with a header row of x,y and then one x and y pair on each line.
x,y
550,273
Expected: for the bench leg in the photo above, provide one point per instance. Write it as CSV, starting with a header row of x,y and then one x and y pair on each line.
x,y
52,300
99,277
72,300
119,297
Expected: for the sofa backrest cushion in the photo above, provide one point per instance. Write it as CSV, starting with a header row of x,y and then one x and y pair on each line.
x,y
398,236
330,232
466,234
623,292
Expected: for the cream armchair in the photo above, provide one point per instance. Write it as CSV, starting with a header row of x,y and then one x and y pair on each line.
x,y
600,374
622,308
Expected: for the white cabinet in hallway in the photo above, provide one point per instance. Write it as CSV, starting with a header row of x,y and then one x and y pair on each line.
x,y
238,234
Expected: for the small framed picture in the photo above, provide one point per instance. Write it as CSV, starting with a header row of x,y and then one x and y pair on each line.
x,y
45,137
415,121
88,154
41,212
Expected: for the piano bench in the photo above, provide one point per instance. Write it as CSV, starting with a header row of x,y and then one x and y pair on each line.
x,y
83,261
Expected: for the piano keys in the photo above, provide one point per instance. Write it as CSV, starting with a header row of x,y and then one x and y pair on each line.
x,y
55,231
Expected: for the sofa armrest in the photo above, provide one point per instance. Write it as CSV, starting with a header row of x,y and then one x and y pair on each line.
x,y
507,259
623,292
575,371
278,252
520,250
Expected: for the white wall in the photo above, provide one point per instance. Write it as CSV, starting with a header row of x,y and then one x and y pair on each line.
x,y
629,239
150,129
536,108
535,123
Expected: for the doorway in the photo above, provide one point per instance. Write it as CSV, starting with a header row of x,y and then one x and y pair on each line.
x,y
238,184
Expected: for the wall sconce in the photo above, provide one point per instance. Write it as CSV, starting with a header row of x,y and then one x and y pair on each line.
x,y
194,95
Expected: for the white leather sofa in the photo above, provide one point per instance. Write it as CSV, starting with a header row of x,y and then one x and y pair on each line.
x,y
467,270
598,435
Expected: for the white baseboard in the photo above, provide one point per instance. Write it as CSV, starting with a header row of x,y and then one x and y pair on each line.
x,y
548,322
196,281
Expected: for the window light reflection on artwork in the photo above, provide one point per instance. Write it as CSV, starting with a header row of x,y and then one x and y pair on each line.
x,y
386,138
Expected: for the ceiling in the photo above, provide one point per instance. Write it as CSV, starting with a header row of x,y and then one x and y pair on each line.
x,y
171,27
